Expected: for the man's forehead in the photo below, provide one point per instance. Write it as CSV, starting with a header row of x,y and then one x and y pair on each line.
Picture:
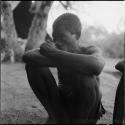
x,y
62,31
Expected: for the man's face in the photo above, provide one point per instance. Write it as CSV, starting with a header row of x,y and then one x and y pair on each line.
x,y
64,39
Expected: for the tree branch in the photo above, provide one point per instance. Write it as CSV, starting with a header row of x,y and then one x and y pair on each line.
x,y
67,5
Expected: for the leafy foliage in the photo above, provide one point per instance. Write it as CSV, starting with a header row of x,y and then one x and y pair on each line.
x,y
112,44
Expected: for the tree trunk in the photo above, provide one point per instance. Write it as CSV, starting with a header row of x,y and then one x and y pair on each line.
x,y
37,33
12,48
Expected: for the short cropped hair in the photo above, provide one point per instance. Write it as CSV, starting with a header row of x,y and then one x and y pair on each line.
x,y
70,22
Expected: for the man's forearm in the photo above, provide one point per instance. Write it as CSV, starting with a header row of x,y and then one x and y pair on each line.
x,y
34,57
86,64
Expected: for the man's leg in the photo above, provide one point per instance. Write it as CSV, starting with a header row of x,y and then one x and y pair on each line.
x,y
83,104
118,113
44,86
98,110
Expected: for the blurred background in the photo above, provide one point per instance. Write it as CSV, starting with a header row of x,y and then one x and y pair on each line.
x,y
103,25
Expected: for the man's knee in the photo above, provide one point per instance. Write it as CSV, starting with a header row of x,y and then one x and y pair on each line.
x,y
32,69
32,74
29,66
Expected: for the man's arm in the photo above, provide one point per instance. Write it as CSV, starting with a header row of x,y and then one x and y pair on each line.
x,y
34,57
86,64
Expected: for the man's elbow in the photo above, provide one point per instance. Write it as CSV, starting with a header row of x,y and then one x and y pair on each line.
x,y
94,69
99,67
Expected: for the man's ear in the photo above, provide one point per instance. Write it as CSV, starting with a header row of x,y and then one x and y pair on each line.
x,y
74,36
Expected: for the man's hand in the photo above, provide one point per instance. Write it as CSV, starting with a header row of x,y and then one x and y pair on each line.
x,y
47,47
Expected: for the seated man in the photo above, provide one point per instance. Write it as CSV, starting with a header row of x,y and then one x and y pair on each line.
x,y
118,113
77,97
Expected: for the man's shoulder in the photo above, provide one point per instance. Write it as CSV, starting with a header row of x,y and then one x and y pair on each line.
x,y
94,51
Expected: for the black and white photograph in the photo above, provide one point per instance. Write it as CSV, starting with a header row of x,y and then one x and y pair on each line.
x,y
62,62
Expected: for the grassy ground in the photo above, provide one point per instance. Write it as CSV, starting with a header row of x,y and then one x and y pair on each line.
x,y
20,106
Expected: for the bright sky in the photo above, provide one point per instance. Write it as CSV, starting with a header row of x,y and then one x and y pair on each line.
x,y
108,14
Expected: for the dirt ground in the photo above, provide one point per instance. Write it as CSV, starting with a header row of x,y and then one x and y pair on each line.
x,y
20,106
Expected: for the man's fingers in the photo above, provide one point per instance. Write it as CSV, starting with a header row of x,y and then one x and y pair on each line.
x,y
48,45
